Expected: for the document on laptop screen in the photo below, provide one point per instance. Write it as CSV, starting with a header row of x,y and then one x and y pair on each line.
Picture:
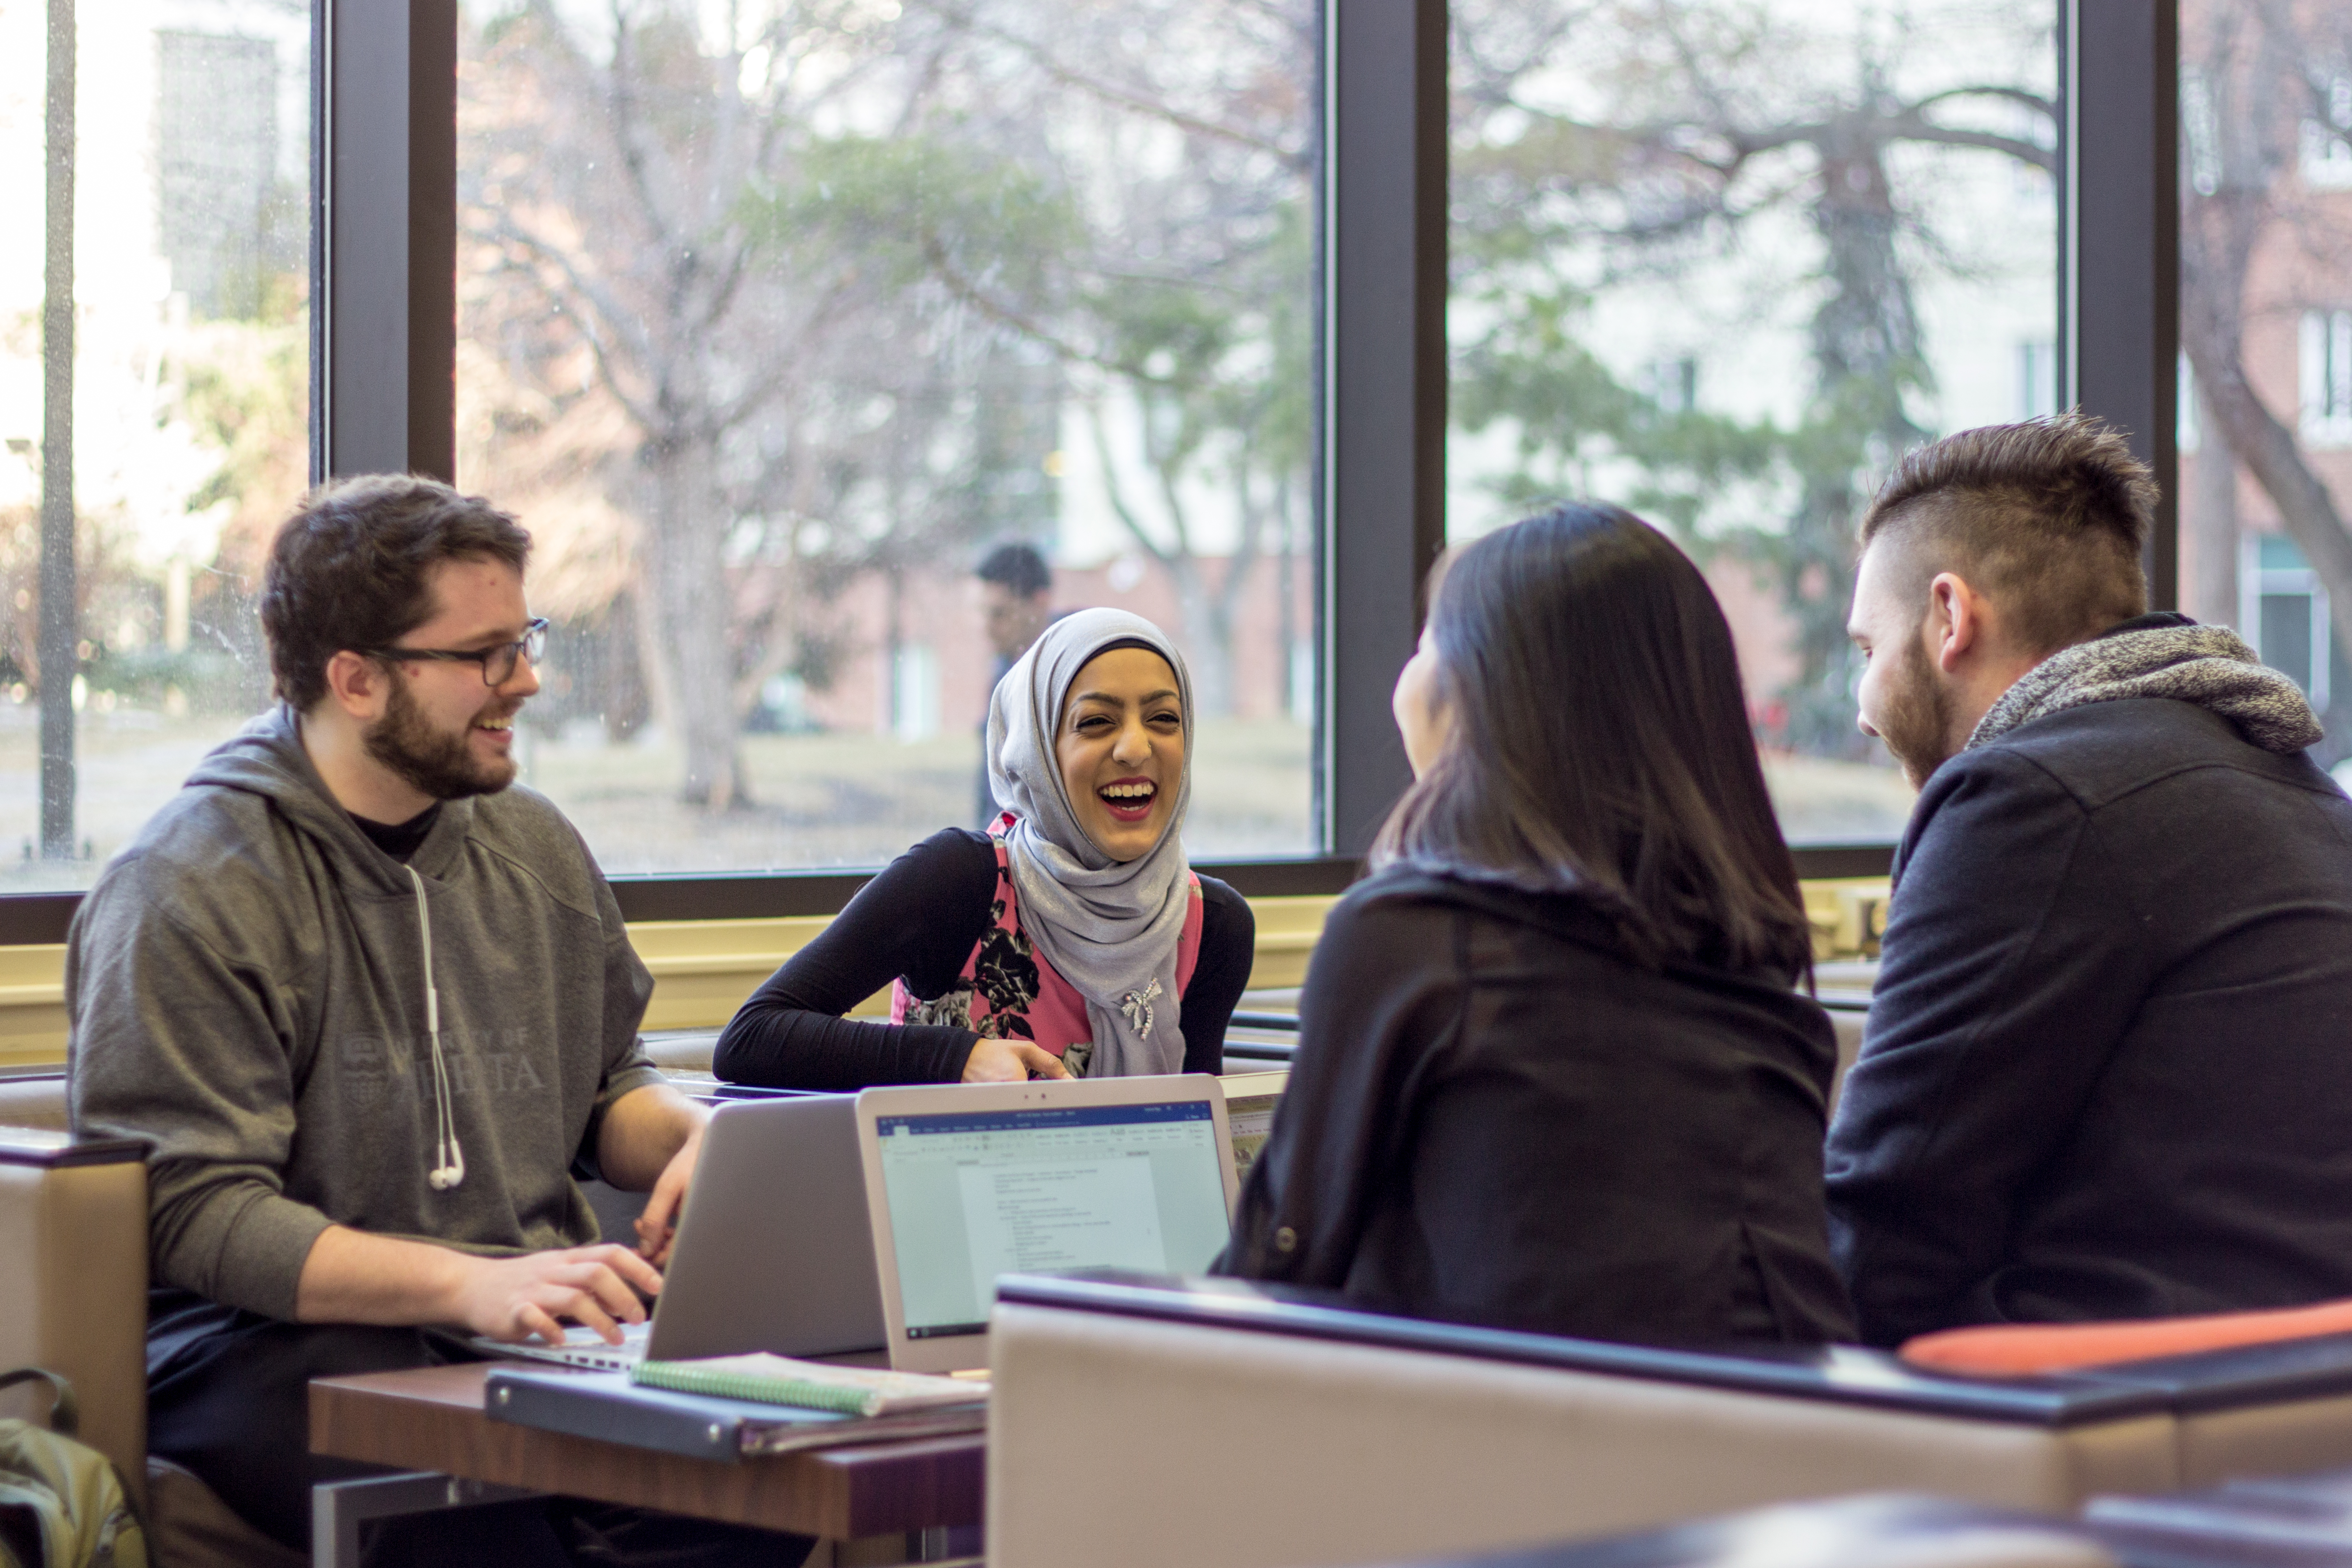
x,y
1034,1190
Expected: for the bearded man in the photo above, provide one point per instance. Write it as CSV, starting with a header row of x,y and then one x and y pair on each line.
x,y
369,1007
2106,1072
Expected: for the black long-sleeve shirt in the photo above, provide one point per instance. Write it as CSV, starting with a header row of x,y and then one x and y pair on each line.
x,y
2109,1057
919,921
1496,1113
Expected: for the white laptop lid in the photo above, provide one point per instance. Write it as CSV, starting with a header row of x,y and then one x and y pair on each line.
x,y
965,1182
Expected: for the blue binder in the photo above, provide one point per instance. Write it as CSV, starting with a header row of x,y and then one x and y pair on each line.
x,y
608,1408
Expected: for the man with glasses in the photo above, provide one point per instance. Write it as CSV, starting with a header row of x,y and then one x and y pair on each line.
x,y
369,1008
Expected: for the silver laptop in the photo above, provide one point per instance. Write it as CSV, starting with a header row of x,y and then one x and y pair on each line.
x,y
1250,1102
774,1252
966,1182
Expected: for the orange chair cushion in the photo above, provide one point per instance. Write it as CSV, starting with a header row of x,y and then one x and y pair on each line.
x,y
2018,1350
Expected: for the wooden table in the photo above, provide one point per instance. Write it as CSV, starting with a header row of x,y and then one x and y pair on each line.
x,y
432,1419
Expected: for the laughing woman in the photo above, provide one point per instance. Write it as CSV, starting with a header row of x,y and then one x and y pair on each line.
x,y
1070,939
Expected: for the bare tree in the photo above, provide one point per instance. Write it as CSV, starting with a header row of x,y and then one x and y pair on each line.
x,y
2256,76
833,273
662,224
1187,138
609,169
1713,119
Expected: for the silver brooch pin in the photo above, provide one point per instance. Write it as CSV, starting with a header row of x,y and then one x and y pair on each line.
x,y
1137,1006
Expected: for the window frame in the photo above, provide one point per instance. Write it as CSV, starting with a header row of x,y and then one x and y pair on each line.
x,y
2119,227
2324,368
384,347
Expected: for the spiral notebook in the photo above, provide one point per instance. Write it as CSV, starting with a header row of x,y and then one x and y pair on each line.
x,y
810,1384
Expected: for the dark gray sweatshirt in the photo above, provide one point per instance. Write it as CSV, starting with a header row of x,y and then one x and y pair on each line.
x,y
246,987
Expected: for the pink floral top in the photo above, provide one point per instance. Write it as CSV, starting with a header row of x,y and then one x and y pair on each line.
x,y
1007,992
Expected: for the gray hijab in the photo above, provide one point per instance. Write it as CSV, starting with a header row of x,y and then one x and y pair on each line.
x,y
1110,929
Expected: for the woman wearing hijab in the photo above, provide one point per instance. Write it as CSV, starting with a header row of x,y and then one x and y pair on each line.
x,y
1070,939
1553,1072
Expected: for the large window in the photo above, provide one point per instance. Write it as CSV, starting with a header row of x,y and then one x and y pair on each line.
x,y
2266,325
1719,263
773,320
156,429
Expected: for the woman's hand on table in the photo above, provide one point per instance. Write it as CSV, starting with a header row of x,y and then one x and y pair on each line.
x,y
1010,1061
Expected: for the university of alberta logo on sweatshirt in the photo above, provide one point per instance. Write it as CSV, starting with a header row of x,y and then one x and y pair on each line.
x,y
496,1061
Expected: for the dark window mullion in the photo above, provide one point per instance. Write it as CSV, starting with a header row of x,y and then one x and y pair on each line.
x,y
2121,253
1384,389
380,348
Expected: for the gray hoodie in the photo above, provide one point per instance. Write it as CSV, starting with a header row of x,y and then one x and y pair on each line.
x,y
246,992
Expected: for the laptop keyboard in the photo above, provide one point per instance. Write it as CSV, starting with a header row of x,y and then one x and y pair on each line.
x,y
581,1347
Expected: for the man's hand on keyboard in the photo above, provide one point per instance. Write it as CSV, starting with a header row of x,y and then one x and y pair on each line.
x,y
515,1299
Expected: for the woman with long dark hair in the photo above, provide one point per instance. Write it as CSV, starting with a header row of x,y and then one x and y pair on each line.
x,y
1554,1072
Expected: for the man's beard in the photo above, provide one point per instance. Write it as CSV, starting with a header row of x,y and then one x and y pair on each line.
x,y
433,762
1916,722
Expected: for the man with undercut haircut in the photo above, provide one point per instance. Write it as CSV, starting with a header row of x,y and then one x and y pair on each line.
x,y
2107,1072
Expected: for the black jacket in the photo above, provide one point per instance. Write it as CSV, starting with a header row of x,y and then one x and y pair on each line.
x,y
1497,1115
919,921
2109,1067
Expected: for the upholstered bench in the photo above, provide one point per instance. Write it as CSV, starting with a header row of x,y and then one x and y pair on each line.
x,y
1877,1530
33,1100
1217,1424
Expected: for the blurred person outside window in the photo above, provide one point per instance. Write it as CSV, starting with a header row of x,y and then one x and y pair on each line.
x,y
1016,590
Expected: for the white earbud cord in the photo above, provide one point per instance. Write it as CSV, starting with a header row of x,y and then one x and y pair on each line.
x,y
451,1167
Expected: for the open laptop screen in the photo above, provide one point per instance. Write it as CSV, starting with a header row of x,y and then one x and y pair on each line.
x,y
978,1193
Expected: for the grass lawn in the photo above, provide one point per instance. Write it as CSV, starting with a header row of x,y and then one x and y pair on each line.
x,y
816,799
841,799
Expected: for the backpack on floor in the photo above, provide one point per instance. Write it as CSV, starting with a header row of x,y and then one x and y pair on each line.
x,y
62,1504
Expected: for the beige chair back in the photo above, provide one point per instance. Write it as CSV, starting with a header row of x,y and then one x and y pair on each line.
x,y
36,1101
1152,1444
73,1295
73,1298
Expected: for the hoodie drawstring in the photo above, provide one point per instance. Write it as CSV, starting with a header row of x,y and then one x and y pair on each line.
x,y
450,1168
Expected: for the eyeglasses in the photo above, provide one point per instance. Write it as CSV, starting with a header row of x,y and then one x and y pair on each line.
x,y
497,662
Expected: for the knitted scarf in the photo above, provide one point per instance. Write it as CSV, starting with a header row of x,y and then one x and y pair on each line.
x,y
2209,666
